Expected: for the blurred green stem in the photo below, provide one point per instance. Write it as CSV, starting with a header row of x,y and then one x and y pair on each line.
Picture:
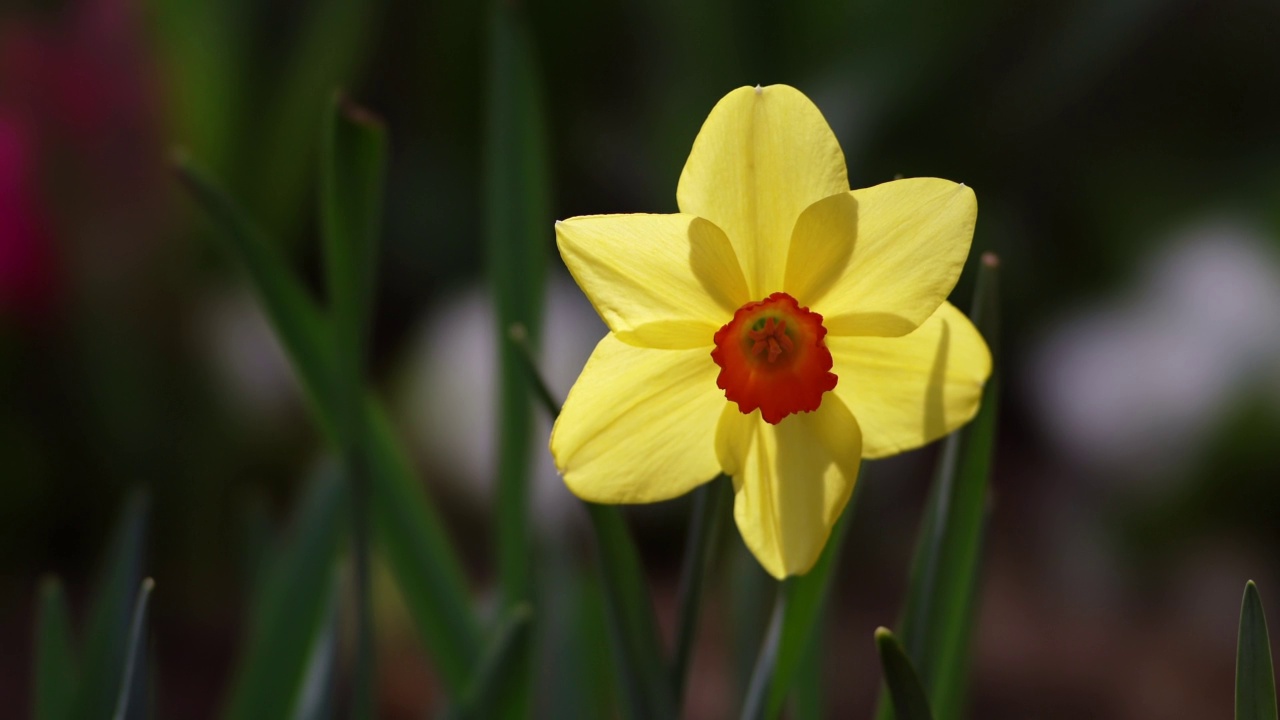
x,y
354,157
710,505
517,231
643,676
753,708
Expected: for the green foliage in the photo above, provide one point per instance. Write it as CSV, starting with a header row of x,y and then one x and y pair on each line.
x,y
711,504
114,674
491,691
55,674
643,676
315,699
1255,677
806,600
754,706
352,169
107,638
297,321
633,630
353,162
408,528
289,616
232,82
134,696
517,230
938,615
412,539
908,696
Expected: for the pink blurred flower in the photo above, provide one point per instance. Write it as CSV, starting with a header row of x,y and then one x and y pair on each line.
x,y
78,113
27,259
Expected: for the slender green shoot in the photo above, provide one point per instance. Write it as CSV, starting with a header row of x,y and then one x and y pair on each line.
x,y
1255,676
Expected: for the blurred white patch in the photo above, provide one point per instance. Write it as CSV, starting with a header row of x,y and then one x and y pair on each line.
x,y
1137,385
450,397
247,357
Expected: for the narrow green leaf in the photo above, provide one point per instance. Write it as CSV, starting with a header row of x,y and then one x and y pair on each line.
x,y
55,673
1255,677
107,636
412,539
755,705
519,338
409,530
131,702
352,166
806,688
643,677
315,696
750,605
633,630
204,81
489,692
711,503
329,52
257,533
293,313
352,170
807,598
291,605
518,232
908,696
575,673
940,599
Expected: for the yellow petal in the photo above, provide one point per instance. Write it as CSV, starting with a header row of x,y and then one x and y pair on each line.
x,y
665,281
912,390
791,480
882,260
763,155
639,424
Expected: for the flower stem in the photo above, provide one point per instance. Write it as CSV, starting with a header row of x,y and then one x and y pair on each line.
x,y
362,698
709,508
753,708
519,336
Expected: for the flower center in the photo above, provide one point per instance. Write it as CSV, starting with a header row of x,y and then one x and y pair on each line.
x,y
772,357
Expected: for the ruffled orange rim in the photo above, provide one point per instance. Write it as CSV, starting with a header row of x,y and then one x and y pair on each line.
x,y
772,357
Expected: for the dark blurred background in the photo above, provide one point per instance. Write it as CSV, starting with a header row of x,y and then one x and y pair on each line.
x,y
1126,159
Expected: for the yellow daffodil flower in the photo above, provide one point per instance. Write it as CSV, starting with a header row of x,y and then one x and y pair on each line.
x,y
778,329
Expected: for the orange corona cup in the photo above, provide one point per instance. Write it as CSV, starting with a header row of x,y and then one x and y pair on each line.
x,y
772,357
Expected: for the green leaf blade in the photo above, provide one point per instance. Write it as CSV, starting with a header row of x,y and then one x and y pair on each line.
x,y
711,505
909,701
106,640
939,609
490,692
409,530
55,673
518,231
1255,676
291,607
315,696
352,173
633,630
412,539
353,162
329,51
297,322
807,597
131,703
